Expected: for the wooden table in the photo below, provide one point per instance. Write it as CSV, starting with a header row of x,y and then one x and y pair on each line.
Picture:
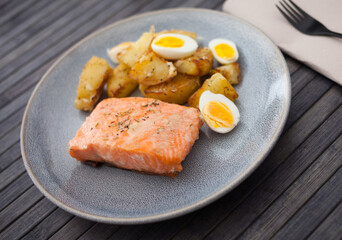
x,y
295,194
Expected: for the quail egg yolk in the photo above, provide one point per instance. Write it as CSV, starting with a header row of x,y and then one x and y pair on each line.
x,y
169,41
224,51
218,115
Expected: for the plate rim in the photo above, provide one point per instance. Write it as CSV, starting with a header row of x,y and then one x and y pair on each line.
x,y
189,208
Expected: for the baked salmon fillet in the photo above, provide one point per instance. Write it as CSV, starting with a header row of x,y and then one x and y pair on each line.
x,y
139,134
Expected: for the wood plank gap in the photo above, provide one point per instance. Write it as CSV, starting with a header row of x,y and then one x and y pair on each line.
x,y
331,227
10,138
300,79
60,46
99,231
10,174
35,21
168,229
19,206
130,232
17,187
285,205
308,96
49,225
20,19
29,63
28,220
314,211
12,121
9,156
73,229
18,46
303,206
15,11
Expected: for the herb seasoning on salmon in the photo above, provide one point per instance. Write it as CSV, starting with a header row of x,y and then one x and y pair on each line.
x,y
141,134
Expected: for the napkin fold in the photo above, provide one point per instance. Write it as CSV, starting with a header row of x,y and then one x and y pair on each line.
x,y
321,53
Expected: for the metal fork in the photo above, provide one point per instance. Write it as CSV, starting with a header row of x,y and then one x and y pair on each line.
x,y
303,22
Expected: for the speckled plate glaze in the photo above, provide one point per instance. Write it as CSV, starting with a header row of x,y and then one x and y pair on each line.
x,y
216,164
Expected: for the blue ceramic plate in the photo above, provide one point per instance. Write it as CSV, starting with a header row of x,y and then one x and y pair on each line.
x,y
216,164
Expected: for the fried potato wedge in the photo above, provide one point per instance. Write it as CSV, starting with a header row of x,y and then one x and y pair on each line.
x,y
199,64
177,90
216,84
131,55
94,75
120,84
152,70
230,71
193,35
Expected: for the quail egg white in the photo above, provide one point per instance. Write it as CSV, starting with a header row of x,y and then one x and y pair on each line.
x,y
224,50
113,52
174,46
219,113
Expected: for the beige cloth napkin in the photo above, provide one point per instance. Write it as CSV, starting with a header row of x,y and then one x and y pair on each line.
x,y
323,54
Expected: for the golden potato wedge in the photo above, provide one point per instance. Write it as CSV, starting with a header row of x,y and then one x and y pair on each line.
x,y
132,54
199,64
193,35
120,84
177,90
216,84
94,75
152,70
230,71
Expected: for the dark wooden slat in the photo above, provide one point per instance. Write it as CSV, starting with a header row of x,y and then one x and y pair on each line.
x,y
311,93
11,173
73,229
6,5
21,18
14,11
297,194
130,232
210,216
209,4
9,139
331,227
292,64
37,33
167,229
300,78
194,3
99,231
49,225
13,120
36,22
20,46
314,211
24,88
19,206
68,39
279,180
15,189
9,156
26,221
14,105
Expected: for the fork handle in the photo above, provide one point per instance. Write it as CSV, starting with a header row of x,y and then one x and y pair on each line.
x,y
331,33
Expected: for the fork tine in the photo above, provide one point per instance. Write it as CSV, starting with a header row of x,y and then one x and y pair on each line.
x,y
299,9
287,17
289,12
299,16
